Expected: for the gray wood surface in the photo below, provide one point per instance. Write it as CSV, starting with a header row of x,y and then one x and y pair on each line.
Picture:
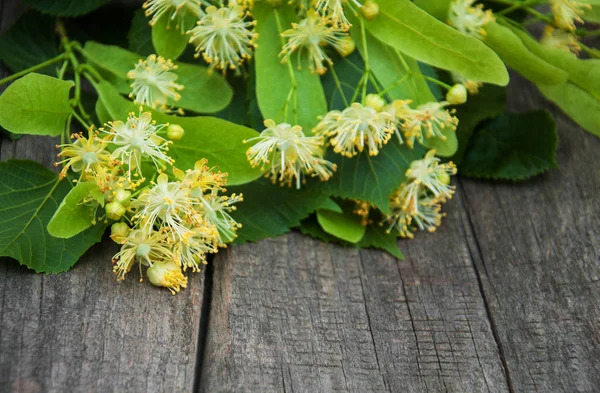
x,y
503,298
83,331
293,314
540,265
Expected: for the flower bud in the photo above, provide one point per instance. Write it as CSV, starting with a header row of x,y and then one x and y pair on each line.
x,y
167,274
457,94
175,132
114,210
370,10
121,195
375,102
119,232
444,178
347,47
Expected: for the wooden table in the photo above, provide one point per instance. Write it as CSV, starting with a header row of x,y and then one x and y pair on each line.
x,y
504,297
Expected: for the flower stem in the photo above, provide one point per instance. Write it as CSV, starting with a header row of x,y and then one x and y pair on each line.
x,y
437,82
36,67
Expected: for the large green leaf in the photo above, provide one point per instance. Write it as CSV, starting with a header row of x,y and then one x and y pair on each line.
x,y
372,178
65,7
516,55
437,8
140,34
29,196
593,14
219,141
168,39
512,147
583,73
204,91
28,42
406,27
276,82
269,210
344,225
73,215
577,103
389,66
487,104
36,104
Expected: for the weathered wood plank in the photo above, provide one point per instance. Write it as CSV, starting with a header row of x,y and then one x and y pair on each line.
x,y
82,331
293,314
540,269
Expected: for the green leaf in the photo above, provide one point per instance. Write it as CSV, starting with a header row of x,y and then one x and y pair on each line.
x,y
331,206
140,34
219,141
29,195
437,8
487,104
102,113
516,55
168,39
346,226
593,14
65,7
406,27
512,147
349,71
583,73
375,237
203,91
73,216
577,103
390,66
269,210
371,178
277,83
29,41
36,104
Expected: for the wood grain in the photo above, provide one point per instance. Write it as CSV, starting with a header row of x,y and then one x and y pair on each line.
x,y
294,314
540,265
82,331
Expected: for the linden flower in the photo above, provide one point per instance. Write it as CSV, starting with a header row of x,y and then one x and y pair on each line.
x,y
145,247
567,12
168,206
176,10
202,178
137,139
469,19
192,251
215,210
311,35
290,153
167,274
354,127
153,82
427,121
560,39
224,37
429,174
421,209
334,9
85,155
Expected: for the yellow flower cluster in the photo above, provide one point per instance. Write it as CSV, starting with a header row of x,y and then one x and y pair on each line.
x,y
168,225
418,200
